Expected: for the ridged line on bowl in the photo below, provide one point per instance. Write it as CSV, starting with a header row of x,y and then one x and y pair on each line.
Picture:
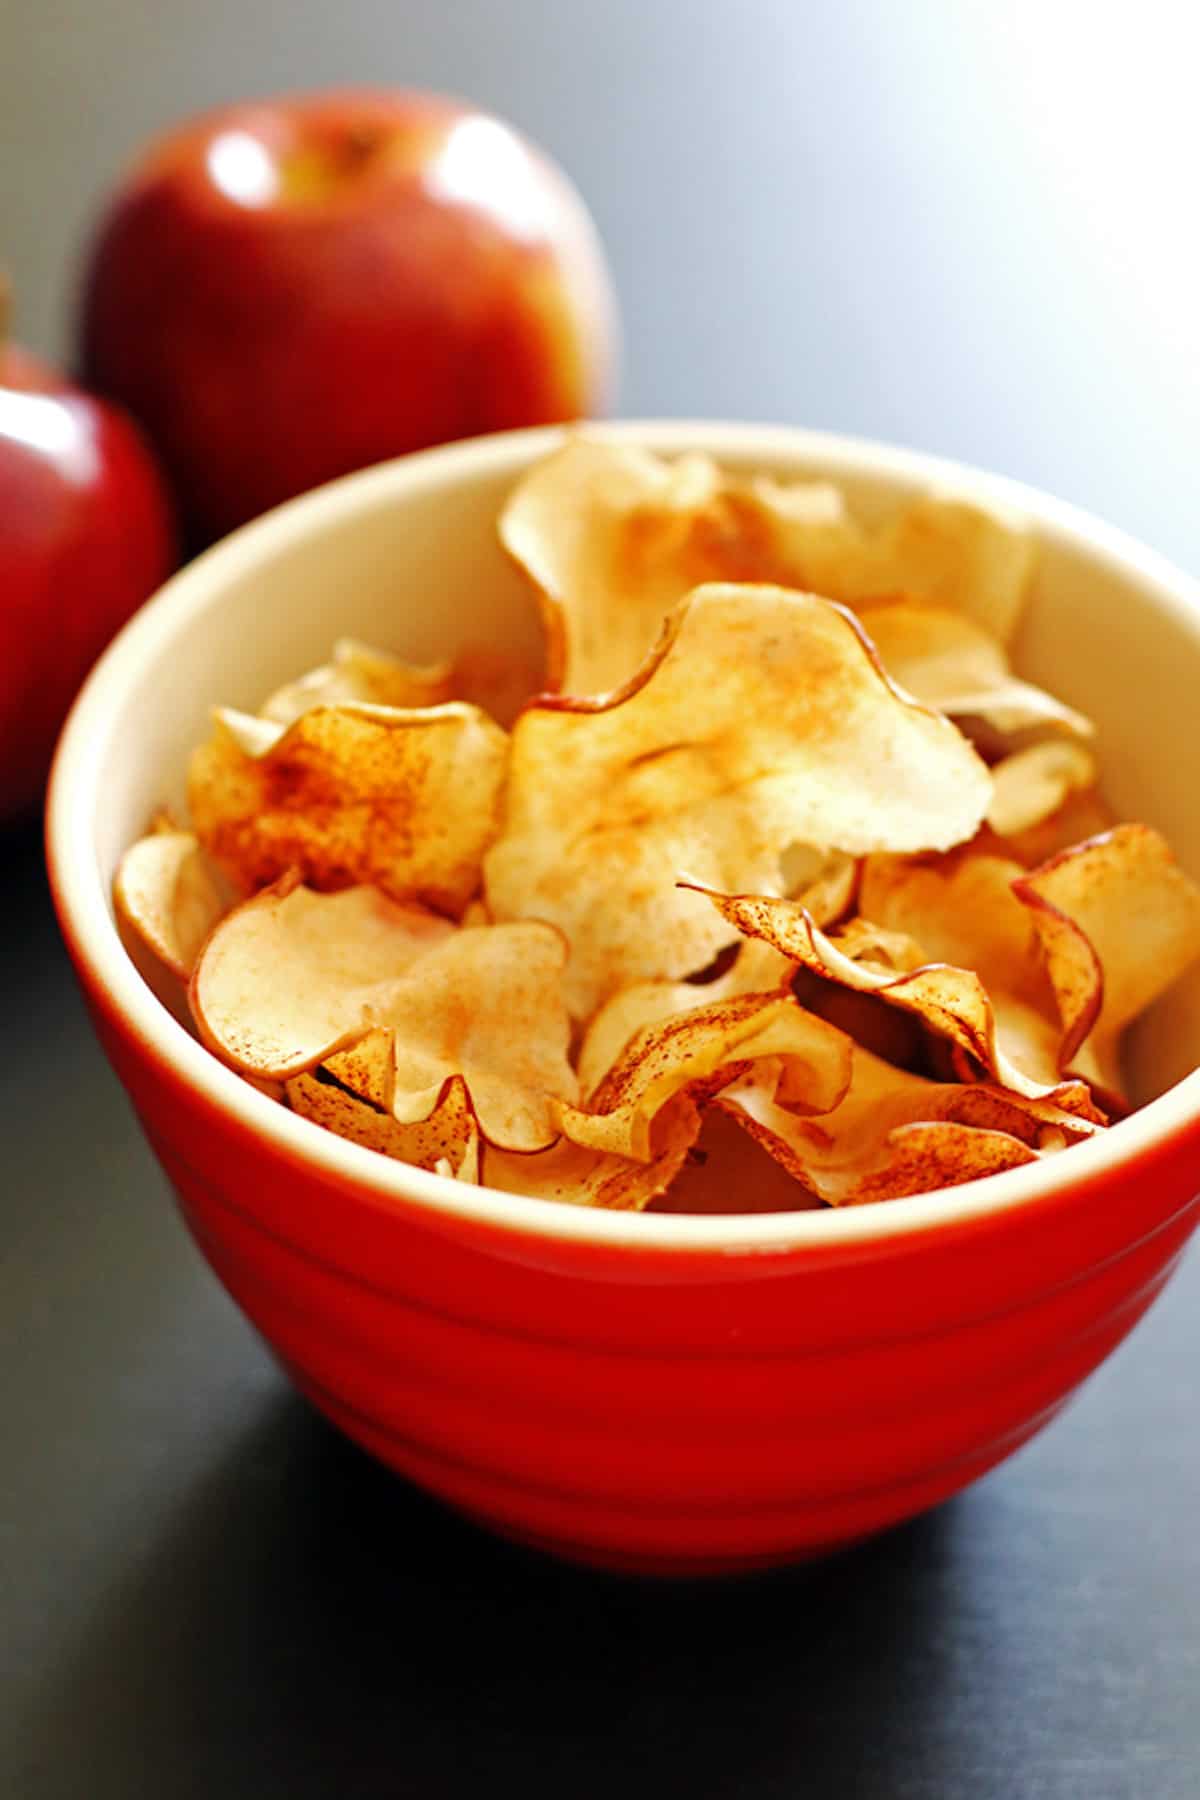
x,y
617,1455
673,1392
589,1460
472,1354
676,1542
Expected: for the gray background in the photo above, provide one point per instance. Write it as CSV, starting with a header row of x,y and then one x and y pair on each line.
x,y
963,226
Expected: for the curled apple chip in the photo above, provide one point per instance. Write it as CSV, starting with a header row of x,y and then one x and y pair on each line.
x,y
950,1000
761,721
965,912
824,881
291,976
1034,784
1082,814
755,968
487,1004
582,1177
358,675
949,553
961,909
691,1052
1118,922
895,1133
613,536
949,661
350,1095
168,894
497,681
349,794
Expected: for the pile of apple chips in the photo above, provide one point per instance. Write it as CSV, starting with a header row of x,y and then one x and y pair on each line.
x,y
787,844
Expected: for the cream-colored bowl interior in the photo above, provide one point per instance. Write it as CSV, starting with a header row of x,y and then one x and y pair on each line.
x,y
406,557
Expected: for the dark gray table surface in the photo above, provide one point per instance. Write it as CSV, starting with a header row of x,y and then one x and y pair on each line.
x,y
965,227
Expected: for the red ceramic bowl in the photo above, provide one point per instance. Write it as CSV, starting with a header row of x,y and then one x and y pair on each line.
x,y
676,1393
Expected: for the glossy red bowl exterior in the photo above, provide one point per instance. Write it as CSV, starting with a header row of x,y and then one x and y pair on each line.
x,y
668,1392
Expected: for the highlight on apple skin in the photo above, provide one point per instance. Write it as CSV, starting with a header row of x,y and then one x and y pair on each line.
x,y
86,535
285,290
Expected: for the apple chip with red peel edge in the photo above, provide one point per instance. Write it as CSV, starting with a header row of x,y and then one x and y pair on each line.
x,y
1034,784
500,682
936,551
1118,922
944,552
366,1069
291,976
358,675
949,661
1083,814
350,1095
825,882
950,1000
761,720
581,1177
692,1052
963,910
613,536
896,1133
755,969
486,1004
408,801
865,942
925,1158
169,896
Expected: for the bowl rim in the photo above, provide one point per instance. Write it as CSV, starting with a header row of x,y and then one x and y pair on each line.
x,y
107,970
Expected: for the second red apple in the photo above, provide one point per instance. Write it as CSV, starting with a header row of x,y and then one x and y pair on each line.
x,y
287,290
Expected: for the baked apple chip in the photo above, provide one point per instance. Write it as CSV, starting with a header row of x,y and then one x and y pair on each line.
x,y
169,895
1036,784
949,1000
358,675
1118,922
351,1095
612,536
761,720
695,1052
895,1133
406,800
291,976
581,1177
947,660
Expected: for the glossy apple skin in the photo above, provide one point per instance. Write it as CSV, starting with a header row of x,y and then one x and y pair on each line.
x,y
288,290
85,537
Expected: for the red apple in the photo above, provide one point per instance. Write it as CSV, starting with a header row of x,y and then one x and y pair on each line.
x,y
85,537
289,289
